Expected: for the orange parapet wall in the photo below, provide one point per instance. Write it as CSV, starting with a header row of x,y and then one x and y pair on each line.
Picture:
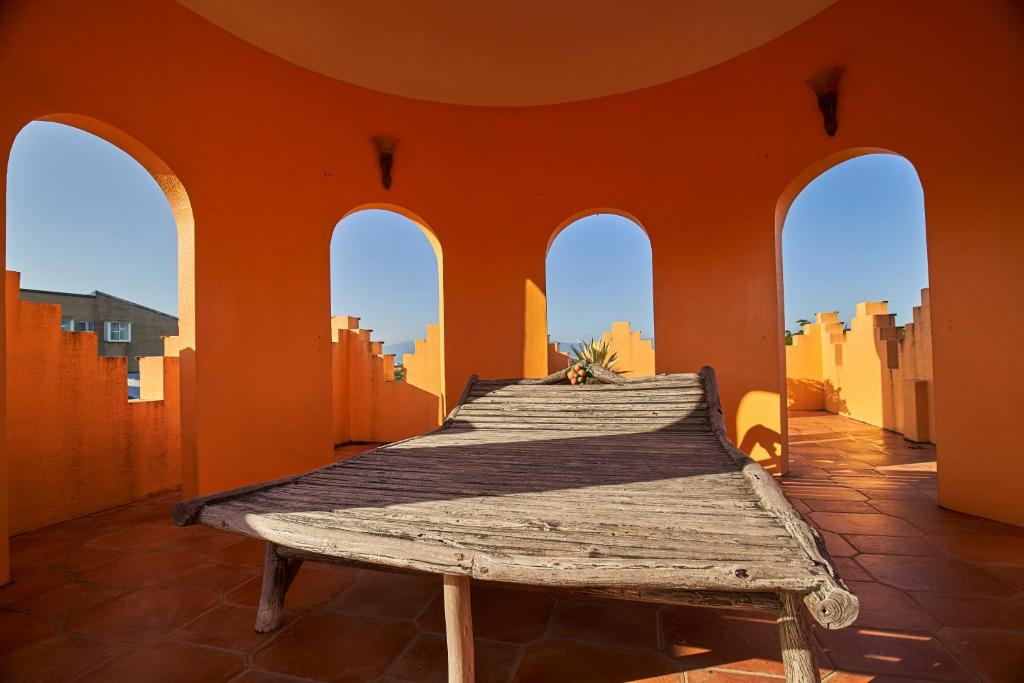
x,y
76,444
367,403
874,372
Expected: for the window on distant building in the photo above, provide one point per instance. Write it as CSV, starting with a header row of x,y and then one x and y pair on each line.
x,y
67,323
118,331
84,326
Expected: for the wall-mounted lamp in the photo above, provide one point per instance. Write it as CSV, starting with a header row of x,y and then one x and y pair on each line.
x,y
826,87
386,156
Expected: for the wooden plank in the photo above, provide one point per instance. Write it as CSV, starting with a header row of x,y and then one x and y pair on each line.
x,y
831,603
458,623
795,638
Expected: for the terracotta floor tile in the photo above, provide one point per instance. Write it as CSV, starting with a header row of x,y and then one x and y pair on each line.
x,y
605,622
837,545
336,647
700,638
893,493
169,662
886,608
426,661
27,582
1013,575
142,569
956,610
264,677
992,549
720,676
860,523
214,577
840,506
996,656
820,491
59,658
514,616
849,570
248,551
18,630
314,587
562,661
396,600
933,575
141,537
890,653
78,558
143,614
952,525
910,509
68,600
227,626
891,545
203,541
139,513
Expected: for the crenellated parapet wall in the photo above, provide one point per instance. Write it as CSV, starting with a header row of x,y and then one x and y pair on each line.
x,y
367,403
874,372
635,354
76,443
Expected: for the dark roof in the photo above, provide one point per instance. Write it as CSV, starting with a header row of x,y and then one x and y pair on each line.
x,y
99,293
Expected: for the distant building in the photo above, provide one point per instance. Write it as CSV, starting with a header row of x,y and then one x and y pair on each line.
x,y
123,328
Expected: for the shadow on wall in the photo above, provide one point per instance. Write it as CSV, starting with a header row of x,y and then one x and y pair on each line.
x,y
812,394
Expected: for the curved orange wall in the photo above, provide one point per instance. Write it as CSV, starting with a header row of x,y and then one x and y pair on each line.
x,y
271,155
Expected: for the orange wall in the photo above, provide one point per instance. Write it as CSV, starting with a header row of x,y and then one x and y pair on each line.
x,y
272,155
368,404
871,373
75,443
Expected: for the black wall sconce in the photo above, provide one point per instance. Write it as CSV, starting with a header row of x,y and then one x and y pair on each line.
x,y
826,87
386,156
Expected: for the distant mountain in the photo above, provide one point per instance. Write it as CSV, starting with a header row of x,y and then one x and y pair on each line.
x,y
399,348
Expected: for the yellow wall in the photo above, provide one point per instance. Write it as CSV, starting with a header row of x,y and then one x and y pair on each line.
x,y
367,403
870,373
76,444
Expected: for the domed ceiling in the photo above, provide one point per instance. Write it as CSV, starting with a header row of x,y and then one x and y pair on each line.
x,y
506,52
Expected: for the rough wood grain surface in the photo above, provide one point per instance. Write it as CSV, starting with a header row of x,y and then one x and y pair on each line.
x,y
628,490
458,620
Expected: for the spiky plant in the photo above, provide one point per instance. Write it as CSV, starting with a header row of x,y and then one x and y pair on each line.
x,y
594,353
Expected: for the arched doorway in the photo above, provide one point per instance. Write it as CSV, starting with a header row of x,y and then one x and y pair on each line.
x,y
386,326
855,308
87,206
600,293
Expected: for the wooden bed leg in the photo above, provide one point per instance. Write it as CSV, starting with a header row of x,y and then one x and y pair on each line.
x,y
458,621
797,653
278,573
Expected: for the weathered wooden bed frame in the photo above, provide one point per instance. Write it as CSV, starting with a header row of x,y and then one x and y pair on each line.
x,y
629,489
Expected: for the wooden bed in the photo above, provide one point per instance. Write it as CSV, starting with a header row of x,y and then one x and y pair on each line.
x,y
629,489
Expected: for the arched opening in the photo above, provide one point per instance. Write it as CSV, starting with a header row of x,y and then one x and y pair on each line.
x,y
387,338
102,233
600,293
855,309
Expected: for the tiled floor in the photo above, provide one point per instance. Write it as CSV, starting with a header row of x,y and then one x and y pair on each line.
x,y
126,596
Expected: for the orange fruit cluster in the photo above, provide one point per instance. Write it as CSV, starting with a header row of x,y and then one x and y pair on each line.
x,y
577,374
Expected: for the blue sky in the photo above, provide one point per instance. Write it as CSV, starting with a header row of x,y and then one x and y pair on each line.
x,y
599,271
856,233
82,215
384,271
